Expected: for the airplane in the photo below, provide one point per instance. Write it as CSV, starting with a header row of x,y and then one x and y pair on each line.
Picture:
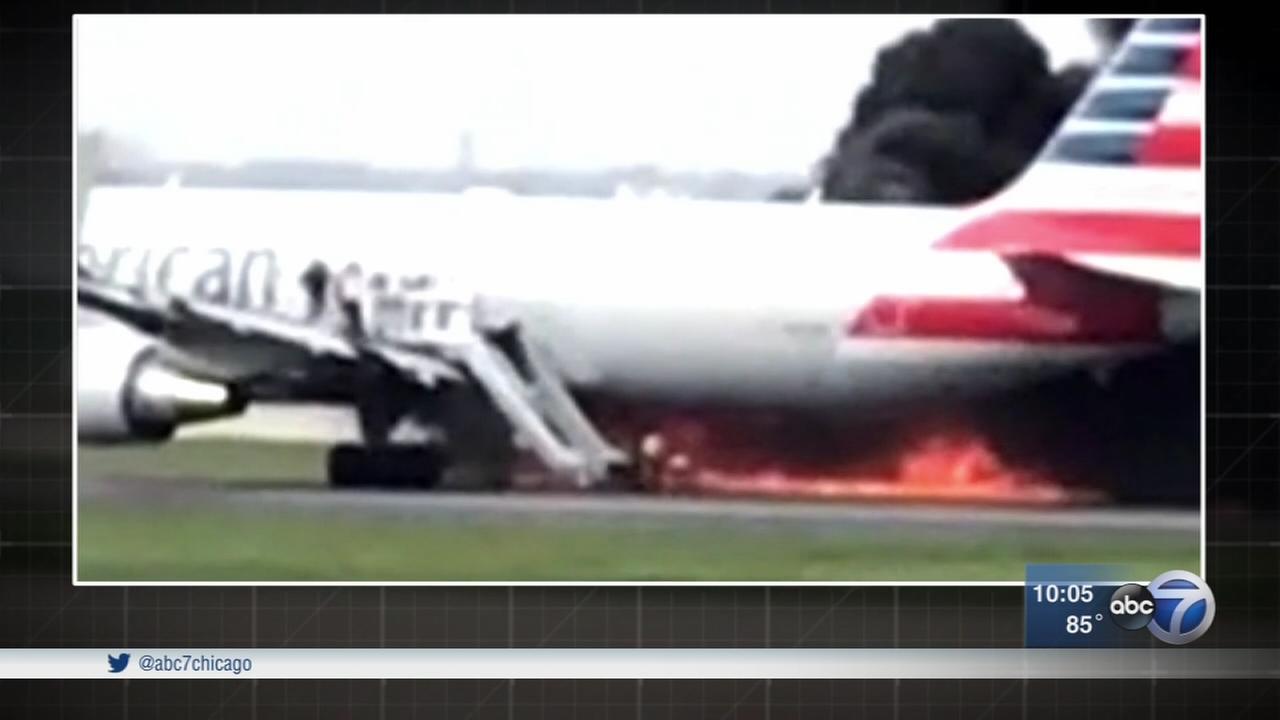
x,y
486,325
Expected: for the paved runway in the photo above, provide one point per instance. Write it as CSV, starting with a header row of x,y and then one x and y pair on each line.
x,y
628,509
319,424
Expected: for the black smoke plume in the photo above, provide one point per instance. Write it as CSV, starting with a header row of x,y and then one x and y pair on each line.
x,y
951,115
1111,30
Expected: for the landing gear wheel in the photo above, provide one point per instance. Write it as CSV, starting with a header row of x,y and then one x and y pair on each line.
x,y
407,467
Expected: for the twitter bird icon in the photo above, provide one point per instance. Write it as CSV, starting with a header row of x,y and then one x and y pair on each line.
x,y
117,663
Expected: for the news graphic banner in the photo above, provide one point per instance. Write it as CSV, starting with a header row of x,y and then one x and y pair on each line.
x,y
1082,621
1096,606
636,663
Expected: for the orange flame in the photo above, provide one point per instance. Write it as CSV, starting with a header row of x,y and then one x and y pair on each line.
x,y
951,467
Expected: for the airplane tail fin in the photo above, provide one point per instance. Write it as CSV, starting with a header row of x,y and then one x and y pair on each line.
x,y
1118,187
1143,107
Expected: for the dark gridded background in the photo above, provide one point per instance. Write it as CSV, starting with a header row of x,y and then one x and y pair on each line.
x,y
40,608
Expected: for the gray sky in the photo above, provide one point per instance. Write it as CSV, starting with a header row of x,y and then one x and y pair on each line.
x,y
751,93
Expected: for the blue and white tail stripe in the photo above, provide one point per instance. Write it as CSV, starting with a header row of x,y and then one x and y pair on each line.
x,y
1146,105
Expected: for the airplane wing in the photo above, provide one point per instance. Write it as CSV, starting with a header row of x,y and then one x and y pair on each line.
x,y
118,303
235,344
189,315
263,341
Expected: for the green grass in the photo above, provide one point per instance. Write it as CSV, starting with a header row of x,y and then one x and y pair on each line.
x,y
119,541
119,544
213,460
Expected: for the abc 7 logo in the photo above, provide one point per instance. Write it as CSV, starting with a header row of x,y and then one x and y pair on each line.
x,y
1177,607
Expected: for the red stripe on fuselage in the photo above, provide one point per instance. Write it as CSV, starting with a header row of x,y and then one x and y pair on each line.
x,y
1062,231
1005,321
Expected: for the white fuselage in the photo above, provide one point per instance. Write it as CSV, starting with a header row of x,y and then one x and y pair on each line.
x,y
670,300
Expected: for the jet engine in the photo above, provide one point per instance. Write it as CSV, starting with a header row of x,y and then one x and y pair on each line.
x,y
126,393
